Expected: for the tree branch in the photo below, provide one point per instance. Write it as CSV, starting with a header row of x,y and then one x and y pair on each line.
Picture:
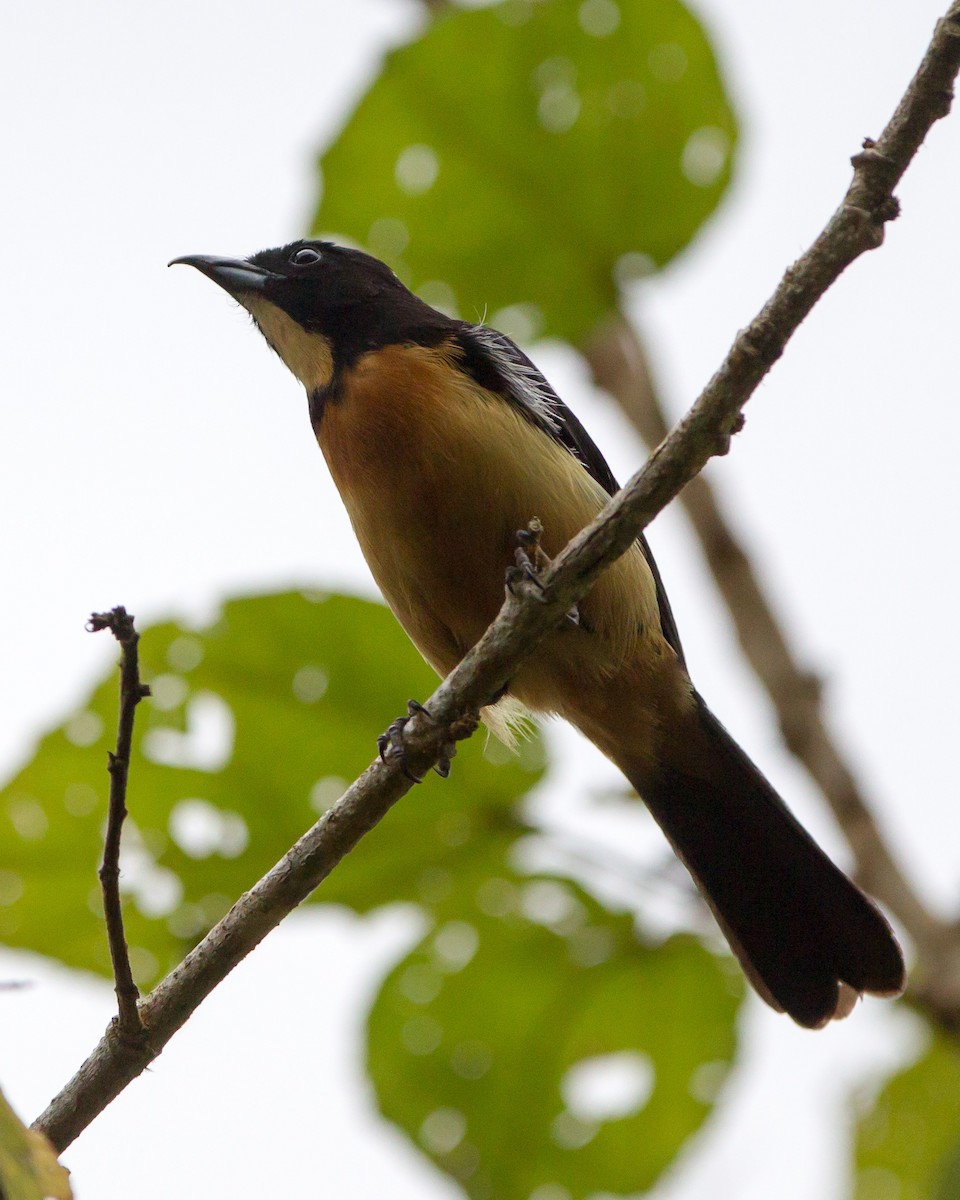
x,y
530,612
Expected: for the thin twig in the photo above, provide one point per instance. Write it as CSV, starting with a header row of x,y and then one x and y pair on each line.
x,y
132,691
529,612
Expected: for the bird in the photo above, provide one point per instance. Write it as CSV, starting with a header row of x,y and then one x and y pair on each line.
x,y
444,439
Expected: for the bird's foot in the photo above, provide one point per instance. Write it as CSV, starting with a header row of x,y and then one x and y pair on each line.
x,y
531,560
391,745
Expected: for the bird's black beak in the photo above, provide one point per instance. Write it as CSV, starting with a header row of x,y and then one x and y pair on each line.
x,y
234,275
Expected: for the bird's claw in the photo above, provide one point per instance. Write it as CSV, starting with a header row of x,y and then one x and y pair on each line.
x,y
529,558
390,744
530,562
522,572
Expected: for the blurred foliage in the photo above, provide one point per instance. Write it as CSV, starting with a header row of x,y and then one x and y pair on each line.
x,y
543,1014
28,1164
908,1144
256,725
531,154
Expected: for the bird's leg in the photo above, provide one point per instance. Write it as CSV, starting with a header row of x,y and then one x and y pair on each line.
x,y
529,557
531,560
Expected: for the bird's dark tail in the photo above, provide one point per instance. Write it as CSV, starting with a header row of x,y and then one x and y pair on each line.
x,y
799,927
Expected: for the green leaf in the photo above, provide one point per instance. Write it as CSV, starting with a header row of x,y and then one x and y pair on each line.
x,y
496,1042
908,1144
529,152
28,1164
257,724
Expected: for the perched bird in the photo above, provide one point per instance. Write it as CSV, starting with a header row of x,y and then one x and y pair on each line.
x,y
444,439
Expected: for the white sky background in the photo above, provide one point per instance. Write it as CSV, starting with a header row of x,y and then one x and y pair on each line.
x,y
156,454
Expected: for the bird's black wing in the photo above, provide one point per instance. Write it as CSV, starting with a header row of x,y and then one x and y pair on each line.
x,y
498,365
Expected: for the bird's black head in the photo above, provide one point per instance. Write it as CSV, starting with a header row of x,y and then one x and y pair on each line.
x,y
321,306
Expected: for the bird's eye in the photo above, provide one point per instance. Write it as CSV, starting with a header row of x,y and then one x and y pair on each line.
x,y
305,257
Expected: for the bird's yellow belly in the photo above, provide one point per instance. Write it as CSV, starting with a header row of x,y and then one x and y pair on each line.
x,y
437,483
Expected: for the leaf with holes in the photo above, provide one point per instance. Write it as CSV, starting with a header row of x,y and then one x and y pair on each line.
x,y
256,725
908,1144
522,1010
585,145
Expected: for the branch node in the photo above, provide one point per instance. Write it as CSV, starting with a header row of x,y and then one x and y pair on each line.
x,y
945,97
134,1040
761,340
868,225
721,444
870,156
